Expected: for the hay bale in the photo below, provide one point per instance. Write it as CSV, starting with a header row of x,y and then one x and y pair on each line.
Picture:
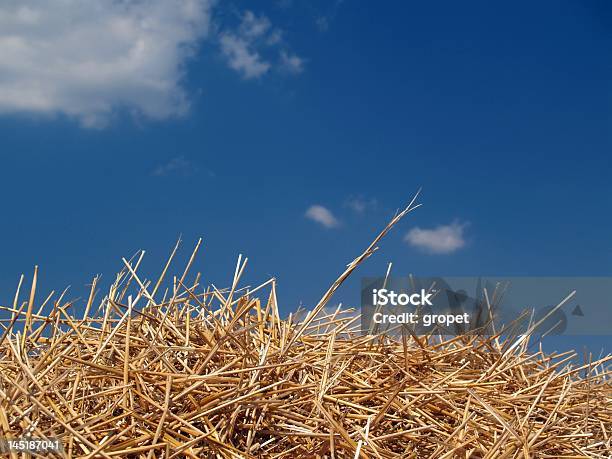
x,y
216,373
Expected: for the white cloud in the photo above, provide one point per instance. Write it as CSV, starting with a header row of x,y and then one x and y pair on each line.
x,y
443,239
181,166
242,57
88,58
275,37
360,205
291,63
251,47
178,165
323,216
253,26
322,23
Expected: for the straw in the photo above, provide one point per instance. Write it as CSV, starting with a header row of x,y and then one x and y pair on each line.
x,y
204,372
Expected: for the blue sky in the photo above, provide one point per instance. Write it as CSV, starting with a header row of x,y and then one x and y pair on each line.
x,y
231,120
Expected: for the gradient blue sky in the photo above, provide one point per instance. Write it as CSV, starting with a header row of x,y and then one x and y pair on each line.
x,y
501,112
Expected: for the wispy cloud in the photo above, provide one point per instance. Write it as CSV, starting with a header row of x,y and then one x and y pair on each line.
x,y
255,46
322,215
176,166
254,26
291,63
360,204
241,57
323,21
87,59
443,239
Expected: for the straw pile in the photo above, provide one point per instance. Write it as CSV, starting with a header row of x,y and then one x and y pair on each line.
x,y
150,372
